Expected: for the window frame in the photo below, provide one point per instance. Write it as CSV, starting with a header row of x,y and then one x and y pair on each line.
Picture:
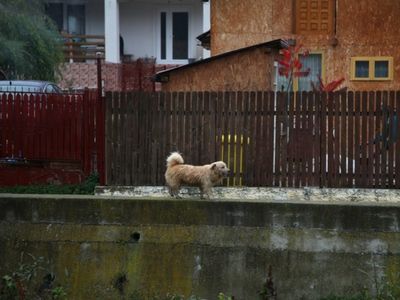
x,y
169,10
371,69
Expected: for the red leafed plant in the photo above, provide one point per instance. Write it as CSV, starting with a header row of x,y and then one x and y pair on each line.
x,y
290,65
329,87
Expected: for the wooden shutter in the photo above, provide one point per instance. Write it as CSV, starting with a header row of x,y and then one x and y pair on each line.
x,y
314,16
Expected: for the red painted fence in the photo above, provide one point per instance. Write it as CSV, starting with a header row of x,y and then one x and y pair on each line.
x,y
49,130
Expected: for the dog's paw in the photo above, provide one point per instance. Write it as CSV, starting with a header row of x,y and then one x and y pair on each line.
x,y
205,197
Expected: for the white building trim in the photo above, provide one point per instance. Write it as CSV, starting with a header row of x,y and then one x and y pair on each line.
x,y
111,30
206,25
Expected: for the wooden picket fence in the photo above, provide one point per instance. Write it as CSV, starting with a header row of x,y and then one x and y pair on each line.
x,y
342,139
65,128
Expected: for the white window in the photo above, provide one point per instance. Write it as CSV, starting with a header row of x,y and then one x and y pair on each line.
x,y
174,36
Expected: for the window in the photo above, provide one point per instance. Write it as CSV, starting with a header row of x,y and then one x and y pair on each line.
x,y
381,69
372,68
68,17
51,88
174,36
180,30
362,68
76,19
55,12
313,61
163,35
314,16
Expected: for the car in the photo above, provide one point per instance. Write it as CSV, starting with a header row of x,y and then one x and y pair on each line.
x,y
29,86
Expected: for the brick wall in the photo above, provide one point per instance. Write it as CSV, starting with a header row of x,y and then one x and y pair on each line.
x,y
132,76
78,76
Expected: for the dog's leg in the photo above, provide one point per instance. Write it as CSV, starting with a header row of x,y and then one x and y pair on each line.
x,y
171,193
205,192
174,191
201,192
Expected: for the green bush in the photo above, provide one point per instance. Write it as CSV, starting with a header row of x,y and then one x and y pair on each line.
x,y
85,188
24,282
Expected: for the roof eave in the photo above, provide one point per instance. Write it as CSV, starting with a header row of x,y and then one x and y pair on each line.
x,y
277,44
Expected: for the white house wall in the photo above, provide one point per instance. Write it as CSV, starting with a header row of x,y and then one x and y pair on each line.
x,y
139,24
138,29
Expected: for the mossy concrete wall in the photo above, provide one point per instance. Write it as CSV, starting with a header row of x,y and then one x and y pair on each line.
x,y
191,246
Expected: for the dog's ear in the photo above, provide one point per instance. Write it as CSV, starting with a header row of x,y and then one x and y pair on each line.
x,y
213,166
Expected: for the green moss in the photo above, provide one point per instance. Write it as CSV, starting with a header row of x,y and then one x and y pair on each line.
x,y
359,296
159,269
389,288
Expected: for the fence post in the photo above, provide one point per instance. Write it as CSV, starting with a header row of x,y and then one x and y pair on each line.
x,y
99,83
100,138
153,71
322,135
85,132
140,73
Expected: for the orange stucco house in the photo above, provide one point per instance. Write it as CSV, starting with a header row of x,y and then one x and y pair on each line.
x,y
357,40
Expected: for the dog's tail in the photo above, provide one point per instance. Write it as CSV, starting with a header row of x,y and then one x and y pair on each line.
x,y
174,159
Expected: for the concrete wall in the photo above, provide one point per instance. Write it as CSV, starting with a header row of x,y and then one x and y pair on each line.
x,y
366,28
201,247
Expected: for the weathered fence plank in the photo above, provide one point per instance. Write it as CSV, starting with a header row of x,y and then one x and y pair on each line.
x,y
396,137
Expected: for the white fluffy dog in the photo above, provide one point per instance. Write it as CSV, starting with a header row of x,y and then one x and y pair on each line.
x,y
205,177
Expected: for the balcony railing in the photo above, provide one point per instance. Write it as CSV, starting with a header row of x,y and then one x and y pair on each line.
x,y
81,48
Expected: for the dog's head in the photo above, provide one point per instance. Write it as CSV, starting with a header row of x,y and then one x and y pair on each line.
x,y
220,168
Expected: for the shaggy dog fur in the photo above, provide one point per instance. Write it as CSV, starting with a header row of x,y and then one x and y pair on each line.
x,y
205,177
